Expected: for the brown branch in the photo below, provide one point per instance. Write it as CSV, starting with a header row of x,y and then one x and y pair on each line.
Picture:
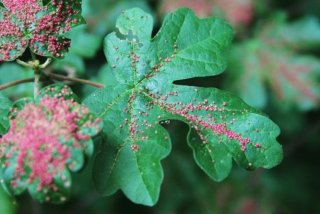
x,y
53,76
88,82
7,85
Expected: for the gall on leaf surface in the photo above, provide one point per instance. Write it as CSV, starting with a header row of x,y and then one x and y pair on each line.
x,y
29,23
222,126
48,138
5,106
273,61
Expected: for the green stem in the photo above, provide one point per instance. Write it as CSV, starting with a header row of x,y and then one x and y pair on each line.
x,y
24,64
36,75
33,56
36,83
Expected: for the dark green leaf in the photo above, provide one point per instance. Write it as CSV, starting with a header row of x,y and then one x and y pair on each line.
x,y
5,105
222,126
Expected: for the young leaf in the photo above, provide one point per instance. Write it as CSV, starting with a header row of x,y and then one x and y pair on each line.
x,y
222,126
30,23
47,138
5,106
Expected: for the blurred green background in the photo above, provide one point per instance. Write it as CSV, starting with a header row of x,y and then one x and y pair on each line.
x,y
274,65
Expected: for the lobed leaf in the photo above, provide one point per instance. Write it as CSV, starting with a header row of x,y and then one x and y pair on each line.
x,y
48,137
102,15
222,126
31,24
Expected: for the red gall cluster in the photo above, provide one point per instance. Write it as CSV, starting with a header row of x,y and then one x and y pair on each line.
x,y
199,124
211,123
23,21
41,139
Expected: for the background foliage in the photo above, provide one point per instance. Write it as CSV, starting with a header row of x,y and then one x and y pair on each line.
x,y
273,65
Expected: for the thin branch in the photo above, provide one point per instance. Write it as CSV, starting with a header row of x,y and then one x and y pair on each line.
x,y
88,82
46,63
7,85
20,62
34,64
53,76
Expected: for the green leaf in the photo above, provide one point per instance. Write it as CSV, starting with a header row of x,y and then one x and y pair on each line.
x,y
272,62
303,34
5,105
30,24
102,15
72,64
222,126
84,45
17,72
49,137
105,76
6,203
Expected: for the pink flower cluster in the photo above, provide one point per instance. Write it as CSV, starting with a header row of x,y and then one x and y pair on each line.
x,y
41,139
28,20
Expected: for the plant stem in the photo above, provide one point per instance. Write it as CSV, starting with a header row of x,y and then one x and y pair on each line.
x,y
46,63
36,83
88,82
24,64
36,75
33,56
52,76
7,85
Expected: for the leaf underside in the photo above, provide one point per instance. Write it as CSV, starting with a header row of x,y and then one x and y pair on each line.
x,y
222,126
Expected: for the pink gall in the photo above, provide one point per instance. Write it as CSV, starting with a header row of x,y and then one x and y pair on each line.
x,y
43,140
